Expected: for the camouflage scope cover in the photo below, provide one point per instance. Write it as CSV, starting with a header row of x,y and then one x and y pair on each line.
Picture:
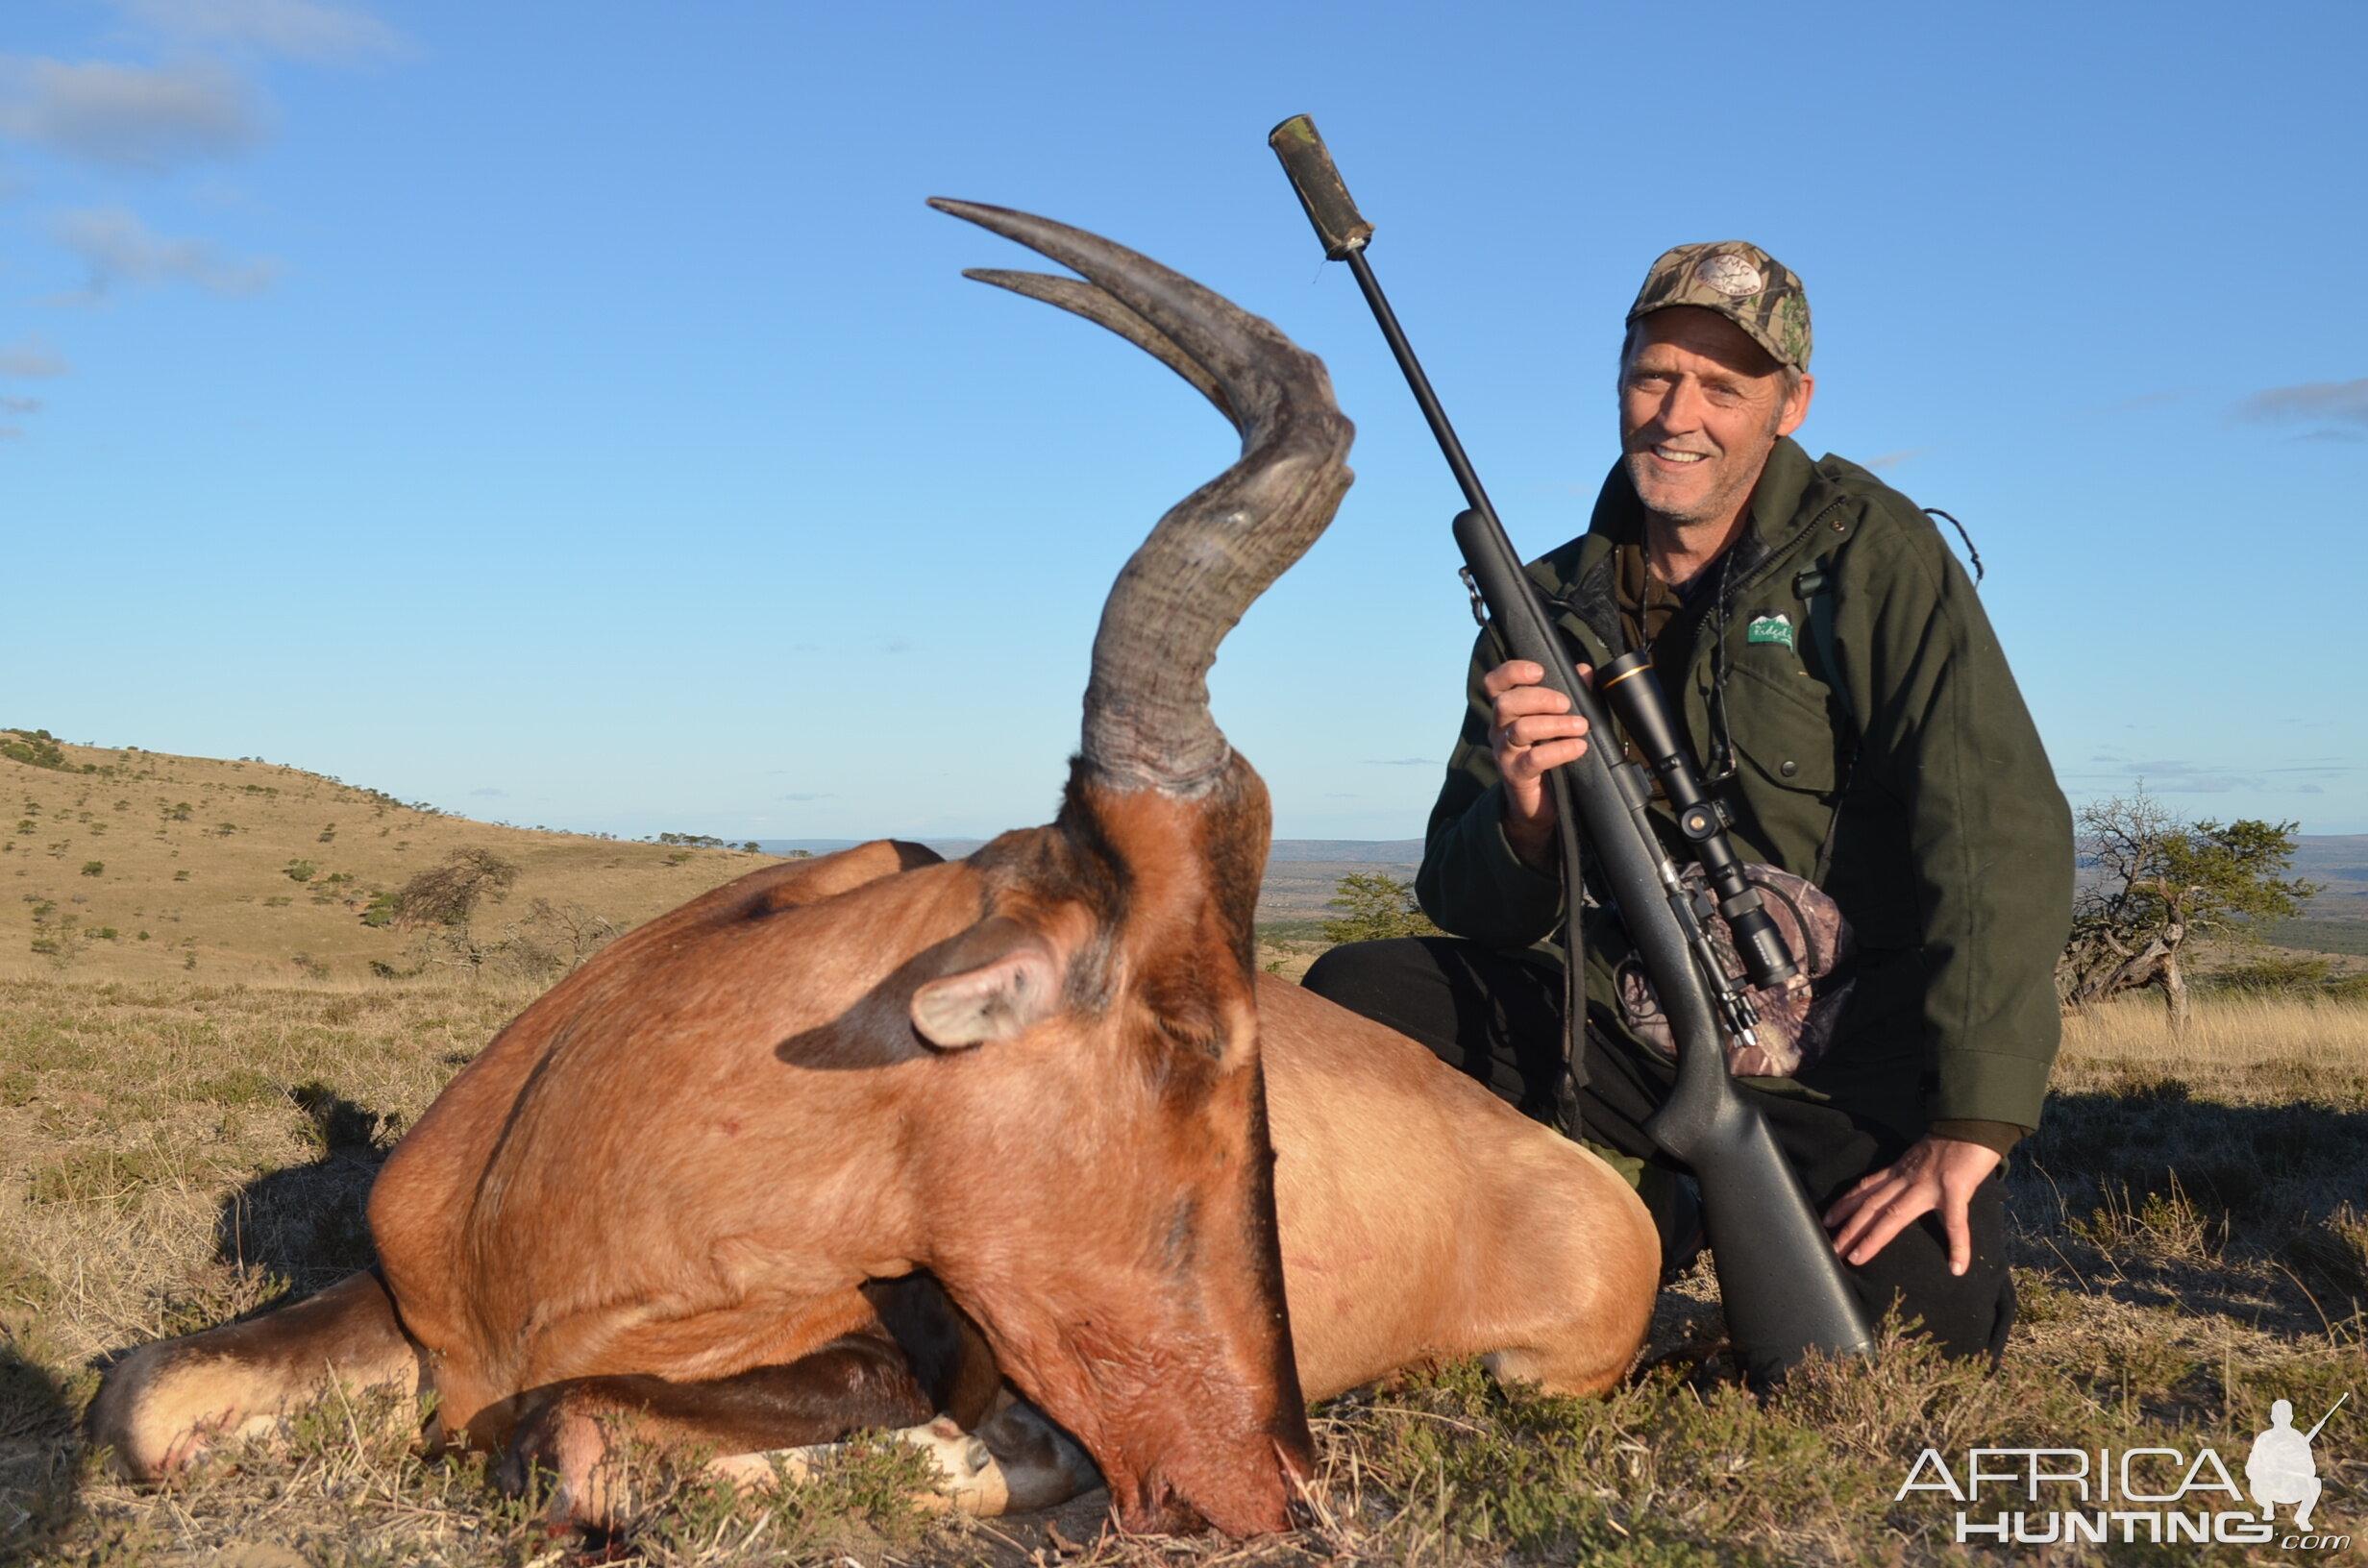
x,y
1797,1018
1743,283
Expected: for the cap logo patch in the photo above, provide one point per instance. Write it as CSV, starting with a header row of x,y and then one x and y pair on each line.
x,y
1771,628
1729,274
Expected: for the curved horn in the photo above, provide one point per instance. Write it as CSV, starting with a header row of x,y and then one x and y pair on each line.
x,y
1080,298
1146,707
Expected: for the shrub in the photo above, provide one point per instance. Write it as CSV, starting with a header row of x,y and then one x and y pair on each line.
x,y
299,871
94,867
34,748
1375,907
2272,973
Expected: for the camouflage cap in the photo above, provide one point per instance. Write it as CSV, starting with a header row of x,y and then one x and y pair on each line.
x,y
1743,283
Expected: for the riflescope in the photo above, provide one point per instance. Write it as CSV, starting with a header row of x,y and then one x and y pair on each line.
x,y
1629,684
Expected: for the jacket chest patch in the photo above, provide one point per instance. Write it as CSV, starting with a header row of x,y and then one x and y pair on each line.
x,y
1771,628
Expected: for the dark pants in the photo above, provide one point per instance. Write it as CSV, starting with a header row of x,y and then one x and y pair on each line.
x,y
1498,1016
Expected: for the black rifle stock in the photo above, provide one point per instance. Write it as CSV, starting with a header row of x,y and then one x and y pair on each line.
x,y
1784,1291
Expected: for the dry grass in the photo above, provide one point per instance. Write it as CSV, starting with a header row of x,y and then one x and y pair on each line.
x,y
2250,1048
2188,1231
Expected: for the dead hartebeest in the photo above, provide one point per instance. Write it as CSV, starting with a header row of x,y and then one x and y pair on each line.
x,y
719,1177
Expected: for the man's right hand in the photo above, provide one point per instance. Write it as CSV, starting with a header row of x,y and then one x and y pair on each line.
x,y
1532,731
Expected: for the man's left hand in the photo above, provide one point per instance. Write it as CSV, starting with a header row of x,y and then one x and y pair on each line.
x,y
1934,1173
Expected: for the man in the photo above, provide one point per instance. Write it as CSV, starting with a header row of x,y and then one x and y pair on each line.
x,y
2281,1468
1842,690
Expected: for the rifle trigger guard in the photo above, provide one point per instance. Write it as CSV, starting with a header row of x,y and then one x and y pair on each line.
x,y
1479,605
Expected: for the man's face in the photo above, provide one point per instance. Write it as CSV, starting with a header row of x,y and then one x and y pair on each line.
x,y
1700,407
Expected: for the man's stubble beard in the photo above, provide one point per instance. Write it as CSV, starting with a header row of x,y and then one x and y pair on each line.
x,y
1715,507
1721,504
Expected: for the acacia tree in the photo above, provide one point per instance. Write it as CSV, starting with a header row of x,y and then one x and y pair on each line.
x,y
1373,906
2159,882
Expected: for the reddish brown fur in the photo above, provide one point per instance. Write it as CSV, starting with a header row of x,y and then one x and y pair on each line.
x,y
1091,1192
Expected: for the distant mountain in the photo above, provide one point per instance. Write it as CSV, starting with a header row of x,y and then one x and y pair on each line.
x,y
2340,864
1346,851
2337,862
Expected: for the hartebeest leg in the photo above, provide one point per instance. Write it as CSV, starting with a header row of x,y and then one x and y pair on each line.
x,y
164,1405
577,1433
1014,1461
771,1424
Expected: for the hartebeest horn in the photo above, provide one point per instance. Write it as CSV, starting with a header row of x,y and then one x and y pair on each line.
x,y
1146,707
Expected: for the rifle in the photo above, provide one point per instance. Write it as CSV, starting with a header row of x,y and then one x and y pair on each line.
x,y
1781,1285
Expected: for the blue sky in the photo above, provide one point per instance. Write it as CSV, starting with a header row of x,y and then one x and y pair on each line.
x,y
570,414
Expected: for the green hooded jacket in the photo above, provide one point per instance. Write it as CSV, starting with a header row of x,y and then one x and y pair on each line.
x,y
1883,751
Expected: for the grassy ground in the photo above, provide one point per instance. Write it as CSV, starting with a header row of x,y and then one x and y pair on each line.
x,y
2188,1230
149,866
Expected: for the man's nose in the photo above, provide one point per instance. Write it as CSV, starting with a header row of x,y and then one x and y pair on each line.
x,y
1681,411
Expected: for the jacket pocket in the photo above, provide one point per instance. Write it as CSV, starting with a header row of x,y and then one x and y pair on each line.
x,y
1784,727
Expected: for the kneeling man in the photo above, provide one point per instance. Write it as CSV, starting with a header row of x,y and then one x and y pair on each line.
x,y
1847,698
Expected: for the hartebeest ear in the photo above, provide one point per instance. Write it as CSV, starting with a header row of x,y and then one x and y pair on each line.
x,y
1005,979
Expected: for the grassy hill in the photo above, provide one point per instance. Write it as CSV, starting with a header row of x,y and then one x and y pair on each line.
x,y
125,864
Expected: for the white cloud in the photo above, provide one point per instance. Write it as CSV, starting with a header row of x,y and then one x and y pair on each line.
x,y
21,406
32,358
127,116
1892,459
324,34
119,249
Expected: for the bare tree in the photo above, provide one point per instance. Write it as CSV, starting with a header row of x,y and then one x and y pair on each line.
x,y
2157,882
448,893
575,932
552,939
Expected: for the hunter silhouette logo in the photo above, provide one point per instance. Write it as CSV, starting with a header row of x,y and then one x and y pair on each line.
x,y
2281,1468
2151,1496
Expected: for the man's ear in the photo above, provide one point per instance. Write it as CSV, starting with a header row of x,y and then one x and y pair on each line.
x,y
1796,406
1003,980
